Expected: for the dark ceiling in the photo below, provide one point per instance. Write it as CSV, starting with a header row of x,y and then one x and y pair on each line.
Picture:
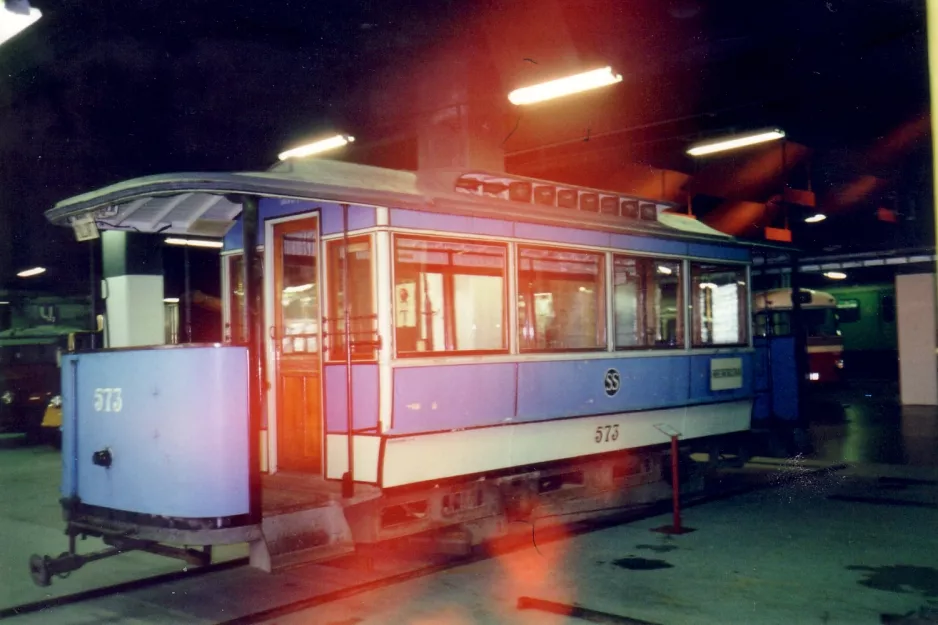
x,y
93,94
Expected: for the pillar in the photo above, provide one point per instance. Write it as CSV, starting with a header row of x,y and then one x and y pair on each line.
x,y
132,288
915,322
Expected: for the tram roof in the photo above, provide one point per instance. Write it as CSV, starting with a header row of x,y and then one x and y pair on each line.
x,y
202,203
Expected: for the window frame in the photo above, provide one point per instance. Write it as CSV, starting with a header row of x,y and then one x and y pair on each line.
x,y
680,314
745,321
602,316
331,276
449,315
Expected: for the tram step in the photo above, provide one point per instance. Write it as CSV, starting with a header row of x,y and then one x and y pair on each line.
x,y
301,537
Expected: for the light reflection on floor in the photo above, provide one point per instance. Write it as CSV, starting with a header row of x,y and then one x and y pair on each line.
x,y
863,422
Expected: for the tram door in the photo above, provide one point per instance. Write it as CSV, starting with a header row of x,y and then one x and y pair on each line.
x,y
297,345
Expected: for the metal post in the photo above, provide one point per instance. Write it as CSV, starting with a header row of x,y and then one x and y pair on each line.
x,y
348,480
251,321
797,326
187,311
93,306
675,527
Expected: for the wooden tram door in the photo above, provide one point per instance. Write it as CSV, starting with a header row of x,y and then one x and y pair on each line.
x,y
296,339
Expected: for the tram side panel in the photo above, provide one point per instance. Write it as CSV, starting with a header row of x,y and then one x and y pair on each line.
x,y
160,431
444,424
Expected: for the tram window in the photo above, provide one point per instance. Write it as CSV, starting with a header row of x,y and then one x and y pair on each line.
x,y
648,297
449,296
299,292
719,296
363,321
560,299
888,308
848,311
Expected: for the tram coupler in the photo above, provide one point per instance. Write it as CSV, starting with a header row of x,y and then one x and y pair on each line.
x,y
43,568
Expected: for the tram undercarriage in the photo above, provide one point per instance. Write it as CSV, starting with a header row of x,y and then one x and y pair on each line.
x,y
451,519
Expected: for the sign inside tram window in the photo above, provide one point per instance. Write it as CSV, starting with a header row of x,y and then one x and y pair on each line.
x,y
85,227
726,374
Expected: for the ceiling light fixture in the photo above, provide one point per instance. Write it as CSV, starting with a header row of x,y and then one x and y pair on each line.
x,y
561,87
815,218
732,143
835,275
194,242
15,17
29,273
317,147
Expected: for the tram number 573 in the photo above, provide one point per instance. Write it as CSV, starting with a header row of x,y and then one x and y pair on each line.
x,y
108,400
606,433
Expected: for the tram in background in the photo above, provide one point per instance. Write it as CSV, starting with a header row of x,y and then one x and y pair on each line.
x,y
454,349
772,312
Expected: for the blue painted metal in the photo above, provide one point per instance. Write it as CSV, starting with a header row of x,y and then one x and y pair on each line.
x,y
777,381
427,399
722,252
331,215
632,243
402,218
556,234
364,217
451,397
179,440
232,240
365,403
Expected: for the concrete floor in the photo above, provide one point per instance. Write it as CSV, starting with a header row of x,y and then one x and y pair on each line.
x,y
847,547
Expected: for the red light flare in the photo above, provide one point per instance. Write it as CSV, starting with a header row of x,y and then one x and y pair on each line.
x,y
540,570
882,154
749,175
845,197
742,219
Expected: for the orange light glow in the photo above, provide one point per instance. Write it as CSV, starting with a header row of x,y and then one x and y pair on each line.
x,y
561,87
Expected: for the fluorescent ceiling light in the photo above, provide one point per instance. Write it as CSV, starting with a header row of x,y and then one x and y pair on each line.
x,y
835,275
194,242
171,300
735,142
664,270
316,147
813,219
28,273
15,17
564,86
708,285
4,303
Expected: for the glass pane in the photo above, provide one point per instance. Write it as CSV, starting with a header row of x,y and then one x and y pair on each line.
x,y
719,296
362,318
235,333
449,295
647,300
299,293
479,302
560,300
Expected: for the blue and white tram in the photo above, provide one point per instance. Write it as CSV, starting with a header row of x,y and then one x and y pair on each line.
x,y
482,335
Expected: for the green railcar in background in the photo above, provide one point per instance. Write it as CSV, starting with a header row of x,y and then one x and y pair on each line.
x,y
867,322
